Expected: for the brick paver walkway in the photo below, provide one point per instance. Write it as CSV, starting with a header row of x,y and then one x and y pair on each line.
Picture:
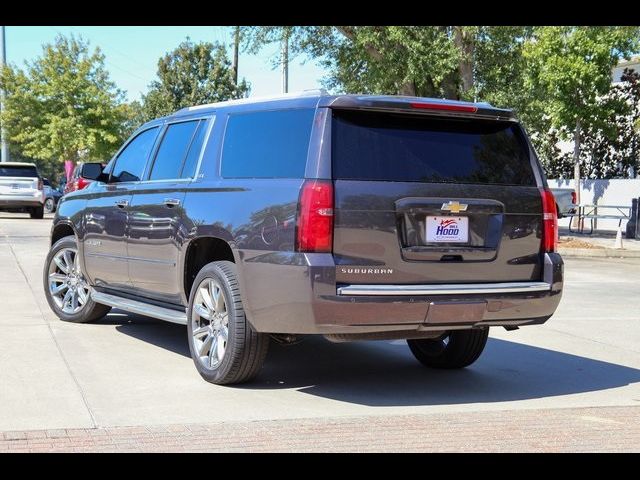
x,y
557,430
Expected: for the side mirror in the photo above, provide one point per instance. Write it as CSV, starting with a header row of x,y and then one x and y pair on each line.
x,y
91,171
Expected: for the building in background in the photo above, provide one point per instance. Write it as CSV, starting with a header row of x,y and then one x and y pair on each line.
x,y
633,64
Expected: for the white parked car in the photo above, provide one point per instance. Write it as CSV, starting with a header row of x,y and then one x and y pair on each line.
x,y
21,189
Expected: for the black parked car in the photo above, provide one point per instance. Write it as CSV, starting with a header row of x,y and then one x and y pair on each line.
x,y
352,217
51,196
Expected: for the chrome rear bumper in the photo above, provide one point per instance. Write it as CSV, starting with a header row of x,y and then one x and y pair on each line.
x,y
445,289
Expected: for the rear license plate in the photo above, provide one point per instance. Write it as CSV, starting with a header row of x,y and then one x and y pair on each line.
x,y
447,229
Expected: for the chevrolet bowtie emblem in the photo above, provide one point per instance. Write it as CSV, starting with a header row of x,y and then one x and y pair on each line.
x,y
454,207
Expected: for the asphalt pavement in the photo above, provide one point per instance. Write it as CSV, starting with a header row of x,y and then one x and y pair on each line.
x,y
129,371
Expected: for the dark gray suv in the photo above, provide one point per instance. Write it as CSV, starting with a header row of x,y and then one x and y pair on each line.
x,y
353,217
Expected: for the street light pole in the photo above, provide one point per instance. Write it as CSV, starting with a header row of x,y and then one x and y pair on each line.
x,y
3,58
236,46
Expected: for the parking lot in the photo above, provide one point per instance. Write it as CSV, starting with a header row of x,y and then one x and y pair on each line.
x,y
128,381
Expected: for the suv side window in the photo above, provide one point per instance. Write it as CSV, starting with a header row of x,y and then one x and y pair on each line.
x,y
129,165
191,162
271,144
177,142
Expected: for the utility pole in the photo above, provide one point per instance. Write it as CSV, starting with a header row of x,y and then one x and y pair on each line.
x,y
576,169
285,61
236,45
3,61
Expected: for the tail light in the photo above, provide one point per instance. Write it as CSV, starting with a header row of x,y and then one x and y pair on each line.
x,y
81,183
40,184
315,217
549,221
573,197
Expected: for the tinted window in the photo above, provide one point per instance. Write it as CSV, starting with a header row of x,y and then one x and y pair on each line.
x,y
131,161
267,144
18,171
172,151
191,162
373,146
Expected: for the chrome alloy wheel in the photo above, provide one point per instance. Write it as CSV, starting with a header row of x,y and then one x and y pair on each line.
x,y
210,323
67,285
49,205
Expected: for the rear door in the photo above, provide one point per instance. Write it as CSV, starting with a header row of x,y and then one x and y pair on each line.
x,y
157,216
431,199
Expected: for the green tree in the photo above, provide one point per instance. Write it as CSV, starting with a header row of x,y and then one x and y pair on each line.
x,y
133,114
603,155
62,106
192,74
438,61
569,75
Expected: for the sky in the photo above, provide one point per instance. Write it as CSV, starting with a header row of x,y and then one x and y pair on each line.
x,y
131,54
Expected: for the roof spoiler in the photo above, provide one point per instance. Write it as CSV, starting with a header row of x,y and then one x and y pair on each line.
x,y
418,105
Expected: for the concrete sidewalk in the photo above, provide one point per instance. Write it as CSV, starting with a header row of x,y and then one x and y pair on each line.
x,y
597,244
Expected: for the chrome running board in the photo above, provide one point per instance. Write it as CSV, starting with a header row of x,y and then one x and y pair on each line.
x,y
141,308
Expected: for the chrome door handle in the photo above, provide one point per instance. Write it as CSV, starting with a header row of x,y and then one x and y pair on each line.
x,y
122,203
171,202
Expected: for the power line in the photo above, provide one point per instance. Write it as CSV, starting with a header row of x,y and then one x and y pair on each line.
x,y
116,51
107,61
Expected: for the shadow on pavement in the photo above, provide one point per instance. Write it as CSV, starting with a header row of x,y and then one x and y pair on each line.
x,y
386,374
169,336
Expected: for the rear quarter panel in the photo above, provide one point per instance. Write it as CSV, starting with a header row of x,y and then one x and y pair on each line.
x,y
257,217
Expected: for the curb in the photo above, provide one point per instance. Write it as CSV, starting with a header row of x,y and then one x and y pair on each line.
x,y
598,252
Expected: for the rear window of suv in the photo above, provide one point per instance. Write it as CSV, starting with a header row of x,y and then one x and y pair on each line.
x,y
18,171
270,144
411,148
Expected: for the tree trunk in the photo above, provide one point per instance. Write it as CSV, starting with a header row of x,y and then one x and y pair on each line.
x,y
576,167
450,88
350,33
463,40
408,88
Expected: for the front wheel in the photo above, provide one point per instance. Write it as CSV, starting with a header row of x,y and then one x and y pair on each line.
x,y
65,287
455,349
224,346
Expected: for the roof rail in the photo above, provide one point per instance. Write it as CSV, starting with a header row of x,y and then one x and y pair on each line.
x,y
317,92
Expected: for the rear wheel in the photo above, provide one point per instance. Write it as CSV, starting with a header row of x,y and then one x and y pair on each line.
x,y
37,212
65,287
224,346
455,349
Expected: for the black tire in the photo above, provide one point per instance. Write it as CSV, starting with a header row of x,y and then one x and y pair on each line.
x,y
49,205
246,349
456,349
37,212
91,310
